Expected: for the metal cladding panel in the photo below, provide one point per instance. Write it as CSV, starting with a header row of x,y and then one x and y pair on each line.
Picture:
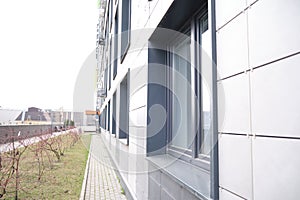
x,y
273,30
275,99
232,47
235,171
276,164
234,105
228,9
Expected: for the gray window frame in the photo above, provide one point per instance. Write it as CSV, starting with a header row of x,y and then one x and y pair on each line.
x,y
192,156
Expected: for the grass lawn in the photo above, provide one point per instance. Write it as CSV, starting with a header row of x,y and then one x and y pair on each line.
x,y
61,179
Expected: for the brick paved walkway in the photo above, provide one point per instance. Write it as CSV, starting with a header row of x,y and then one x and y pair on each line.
x,y
102,181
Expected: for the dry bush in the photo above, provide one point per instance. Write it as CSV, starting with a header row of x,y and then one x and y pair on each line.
x,y
11,156
45,147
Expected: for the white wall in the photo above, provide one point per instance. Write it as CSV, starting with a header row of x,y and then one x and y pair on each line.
x,y
258,87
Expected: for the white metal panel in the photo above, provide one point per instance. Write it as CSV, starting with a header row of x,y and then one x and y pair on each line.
x,y
232,47
276,97
138,98
273,30
235,171
158,12
249,2
138,78
225,195
138,138
140,13
227,9
142,178
234,105
138,117
276,165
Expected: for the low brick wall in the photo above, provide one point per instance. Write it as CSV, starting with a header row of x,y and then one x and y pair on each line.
x,y
18,132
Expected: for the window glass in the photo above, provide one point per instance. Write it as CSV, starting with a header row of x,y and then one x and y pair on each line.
x,y
108,117
114,113
206,67
115,59
124,111
182,124
181,78
125,27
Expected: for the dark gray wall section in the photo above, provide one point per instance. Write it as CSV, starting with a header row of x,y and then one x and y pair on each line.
x,y
124,110
180,12
114,112
157,95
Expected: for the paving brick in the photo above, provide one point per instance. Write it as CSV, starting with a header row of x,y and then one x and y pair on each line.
x,y
102,182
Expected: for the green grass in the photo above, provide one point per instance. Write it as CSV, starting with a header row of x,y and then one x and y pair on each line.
x,y
61,180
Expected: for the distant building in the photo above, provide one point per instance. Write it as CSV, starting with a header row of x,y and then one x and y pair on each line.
x,y
33,116
59,115
79,118
8,116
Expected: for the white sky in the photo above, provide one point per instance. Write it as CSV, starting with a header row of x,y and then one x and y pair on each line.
x,y
42,47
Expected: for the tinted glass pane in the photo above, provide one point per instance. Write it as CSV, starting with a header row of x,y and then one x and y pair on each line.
x,y
181,78
206,68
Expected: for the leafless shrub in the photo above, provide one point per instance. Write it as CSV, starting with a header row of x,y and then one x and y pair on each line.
x,y
10,159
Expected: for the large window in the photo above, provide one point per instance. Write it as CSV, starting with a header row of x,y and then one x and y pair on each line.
x,y
189,101
116,45
110,14
126,26
110,65
204,36
104,114
124,111
108,117
114,112
180,82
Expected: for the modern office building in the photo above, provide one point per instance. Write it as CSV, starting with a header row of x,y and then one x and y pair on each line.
x,y
199,99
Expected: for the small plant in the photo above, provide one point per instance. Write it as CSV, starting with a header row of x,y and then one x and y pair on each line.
x,y
52,146
122,191
39,152
6,172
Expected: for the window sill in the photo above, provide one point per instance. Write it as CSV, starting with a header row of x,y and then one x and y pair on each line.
x,y
190,177
202,162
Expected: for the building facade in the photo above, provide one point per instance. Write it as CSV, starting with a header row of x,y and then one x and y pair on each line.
x,y
199,99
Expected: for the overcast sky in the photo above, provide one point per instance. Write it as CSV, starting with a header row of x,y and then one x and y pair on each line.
x,y
42,47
